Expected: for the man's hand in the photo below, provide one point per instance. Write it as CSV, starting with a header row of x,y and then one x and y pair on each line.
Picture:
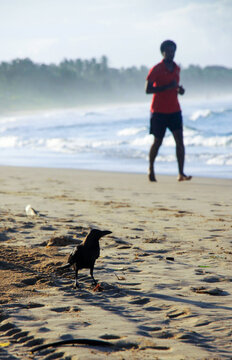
x,y
181,90
173,84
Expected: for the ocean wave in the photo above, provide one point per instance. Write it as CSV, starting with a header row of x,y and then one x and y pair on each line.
x,y
200,114
223,159
214,141
9,142
131,131
81,145
205,113
76,144
142,141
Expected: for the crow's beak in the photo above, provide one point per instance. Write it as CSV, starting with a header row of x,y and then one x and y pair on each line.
x,y
105,232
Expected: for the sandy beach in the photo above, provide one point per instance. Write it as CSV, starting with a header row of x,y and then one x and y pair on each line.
x,y
164,273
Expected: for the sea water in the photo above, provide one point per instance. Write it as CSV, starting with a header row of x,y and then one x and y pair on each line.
x,y
116,138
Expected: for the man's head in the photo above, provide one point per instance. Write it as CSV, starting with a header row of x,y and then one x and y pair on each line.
x,y
168,49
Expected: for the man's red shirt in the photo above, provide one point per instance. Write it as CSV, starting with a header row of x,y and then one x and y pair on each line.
x,y
165,101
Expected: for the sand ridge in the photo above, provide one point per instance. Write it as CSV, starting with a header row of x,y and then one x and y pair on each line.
x,y
165,271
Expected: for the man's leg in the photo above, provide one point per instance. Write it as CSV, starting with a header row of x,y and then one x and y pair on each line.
x,y
180,154
152,156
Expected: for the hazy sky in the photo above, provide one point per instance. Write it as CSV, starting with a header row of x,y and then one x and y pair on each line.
x,y
128,32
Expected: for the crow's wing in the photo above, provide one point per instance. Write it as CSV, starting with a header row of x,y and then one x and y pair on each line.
x,y
75,254
97,254
84,256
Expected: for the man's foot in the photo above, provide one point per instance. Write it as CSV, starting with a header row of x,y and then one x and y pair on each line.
x,y
184,178
151,177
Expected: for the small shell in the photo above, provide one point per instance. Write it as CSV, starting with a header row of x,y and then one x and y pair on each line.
x,y
30,211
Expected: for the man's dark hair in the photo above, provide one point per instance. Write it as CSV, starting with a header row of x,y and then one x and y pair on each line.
x,y
165,44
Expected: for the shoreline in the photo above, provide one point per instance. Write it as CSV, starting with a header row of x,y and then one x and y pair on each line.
x,y
164,272
158,175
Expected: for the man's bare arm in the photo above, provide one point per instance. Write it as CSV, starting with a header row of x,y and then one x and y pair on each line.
x,y
150,89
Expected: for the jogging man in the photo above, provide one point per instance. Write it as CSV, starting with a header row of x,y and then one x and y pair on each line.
x,y
163,82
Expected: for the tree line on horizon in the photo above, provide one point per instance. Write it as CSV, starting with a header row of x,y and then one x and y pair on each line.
x,y
25,84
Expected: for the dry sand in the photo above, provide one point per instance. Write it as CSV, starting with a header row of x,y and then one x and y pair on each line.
x,y
165,271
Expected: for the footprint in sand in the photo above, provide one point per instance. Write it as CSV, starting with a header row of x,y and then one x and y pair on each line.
x,y
181,213
165,334
24,339
202,323
34,342
119,241
20,334
48,228
134,270
177,313
150,328
152,308
29,281
192,337
110,337
34,305
212,237
123,247
6,325
213,291
213,279
4,237
11,332
28,225
43,329
201,272
149,344
140,301
66,309
216,204
158,239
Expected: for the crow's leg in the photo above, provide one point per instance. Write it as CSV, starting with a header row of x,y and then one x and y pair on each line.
x,y
91,273
76,285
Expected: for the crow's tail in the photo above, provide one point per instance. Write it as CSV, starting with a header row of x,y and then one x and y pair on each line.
x,y
63,267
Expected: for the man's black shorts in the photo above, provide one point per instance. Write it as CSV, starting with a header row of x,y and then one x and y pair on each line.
x,y
159,122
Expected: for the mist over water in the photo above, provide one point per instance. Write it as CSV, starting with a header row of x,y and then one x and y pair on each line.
x,y
116,138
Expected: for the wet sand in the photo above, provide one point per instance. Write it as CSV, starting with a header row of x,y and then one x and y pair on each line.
x,y
164,272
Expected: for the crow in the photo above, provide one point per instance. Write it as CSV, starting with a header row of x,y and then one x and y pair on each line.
x,y
85,254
